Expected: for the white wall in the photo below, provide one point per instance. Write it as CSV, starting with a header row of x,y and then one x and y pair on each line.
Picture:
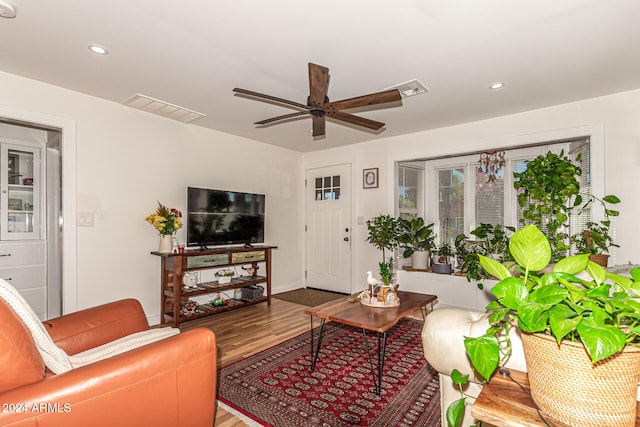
x,y
615,117
127,160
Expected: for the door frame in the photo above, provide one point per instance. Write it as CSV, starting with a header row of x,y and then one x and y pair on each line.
x,y
352,221
68,146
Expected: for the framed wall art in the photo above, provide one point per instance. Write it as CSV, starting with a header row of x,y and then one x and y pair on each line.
x,y
370,178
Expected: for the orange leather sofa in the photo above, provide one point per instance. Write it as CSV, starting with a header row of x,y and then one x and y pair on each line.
x,y
167,383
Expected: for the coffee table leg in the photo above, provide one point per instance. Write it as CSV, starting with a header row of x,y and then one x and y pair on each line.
x,y
314,354
382,348
381,355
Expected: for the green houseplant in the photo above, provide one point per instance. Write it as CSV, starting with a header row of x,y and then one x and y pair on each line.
x,y
384,232
596,239
601,314
442,263
491,240
547,191
417,239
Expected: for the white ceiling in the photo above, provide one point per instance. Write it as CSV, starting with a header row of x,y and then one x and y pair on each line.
x,y
193,53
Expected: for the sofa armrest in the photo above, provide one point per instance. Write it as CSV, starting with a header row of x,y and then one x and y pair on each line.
x,y
168,383
92,327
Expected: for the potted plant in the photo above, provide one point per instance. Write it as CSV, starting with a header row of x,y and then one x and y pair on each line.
x,y
593,323
467,255
494,240
417,239
548,191
386,272
596,240
383,234
442,263
224,275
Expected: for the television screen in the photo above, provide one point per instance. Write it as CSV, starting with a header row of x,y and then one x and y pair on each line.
x,y
218,217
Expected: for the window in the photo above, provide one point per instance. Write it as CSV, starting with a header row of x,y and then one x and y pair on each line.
x,y
450,202
410,189
459,196
328,188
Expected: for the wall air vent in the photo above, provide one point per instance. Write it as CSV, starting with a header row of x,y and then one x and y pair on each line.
x,y
410,88
162,108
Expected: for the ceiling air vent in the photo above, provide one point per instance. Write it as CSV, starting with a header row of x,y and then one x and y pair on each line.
x,y
410,88
162,108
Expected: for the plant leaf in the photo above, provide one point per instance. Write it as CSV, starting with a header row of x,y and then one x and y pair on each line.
x,y
459,378
596,271
494,268
533,316
484,353
600,340
572,265
563,320
530,248
455,411
510,292
613,199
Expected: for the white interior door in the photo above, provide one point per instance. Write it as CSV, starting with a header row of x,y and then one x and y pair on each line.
x,y
329,229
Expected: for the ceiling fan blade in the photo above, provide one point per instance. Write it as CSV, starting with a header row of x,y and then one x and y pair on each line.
x,y
356,120
284,116
318,84
269,97
392,95
318,125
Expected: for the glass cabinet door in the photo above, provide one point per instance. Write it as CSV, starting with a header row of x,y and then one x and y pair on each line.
x,y
20,202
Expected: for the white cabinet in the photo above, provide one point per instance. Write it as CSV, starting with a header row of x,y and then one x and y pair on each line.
x,y
23,265
22,243
20,192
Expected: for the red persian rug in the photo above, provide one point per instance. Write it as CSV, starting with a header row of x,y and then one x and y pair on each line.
x,y
276,387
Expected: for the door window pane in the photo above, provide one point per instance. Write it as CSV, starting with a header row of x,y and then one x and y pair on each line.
x,y
327,188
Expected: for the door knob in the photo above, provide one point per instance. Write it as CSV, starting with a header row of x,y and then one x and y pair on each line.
x,y
346,239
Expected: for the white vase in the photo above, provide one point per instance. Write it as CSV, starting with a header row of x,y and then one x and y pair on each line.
x,y
165,243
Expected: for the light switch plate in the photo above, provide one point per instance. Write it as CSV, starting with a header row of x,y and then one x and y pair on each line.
x,y
85,219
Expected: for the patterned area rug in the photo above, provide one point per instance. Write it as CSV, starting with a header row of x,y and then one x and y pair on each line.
x,y
276,387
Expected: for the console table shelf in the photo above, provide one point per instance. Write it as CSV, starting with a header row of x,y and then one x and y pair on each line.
x,y
175,266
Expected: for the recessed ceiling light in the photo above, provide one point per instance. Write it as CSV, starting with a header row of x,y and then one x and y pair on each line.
x,y
98,49
7,10
496,85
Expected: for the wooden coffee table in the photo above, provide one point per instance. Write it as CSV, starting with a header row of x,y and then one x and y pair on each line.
x,y
349,311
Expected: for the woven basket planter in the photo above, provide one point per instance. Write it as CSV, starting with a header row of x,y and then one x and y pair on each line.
x,y
566,386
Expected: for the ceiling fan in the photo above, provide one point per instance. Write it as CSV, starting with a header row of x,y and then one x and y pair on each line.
x,y
319,107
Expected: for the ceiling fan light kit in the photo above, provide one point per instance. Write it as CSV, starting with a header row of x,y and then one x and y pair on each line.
x,y
7,10
319,107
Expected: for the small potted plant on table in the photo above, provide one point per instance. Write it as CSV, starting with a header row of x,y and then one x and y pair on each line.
x,y
224,276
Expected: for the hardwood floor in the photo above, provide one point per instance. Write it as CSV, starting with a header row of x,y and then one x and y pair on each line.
x,y
246,331
243,332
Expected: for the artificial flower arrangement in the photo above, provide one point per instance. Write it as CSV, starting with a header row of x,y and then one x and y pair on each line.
x,y
166,221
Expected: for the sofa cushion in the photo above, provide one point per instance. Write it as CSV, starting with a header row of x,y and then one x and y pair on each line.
x,y
20,361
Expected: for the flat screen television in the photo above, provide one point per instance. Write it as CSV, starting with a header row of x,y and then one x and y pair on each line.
x,y
220,217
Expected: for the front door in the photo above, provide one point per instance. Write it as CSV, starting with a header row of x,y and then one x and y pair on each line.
x,y
328,226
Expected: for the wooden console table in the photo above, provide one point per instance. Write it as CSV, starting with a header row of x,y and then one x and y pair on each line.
x,y
174,267
503,403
